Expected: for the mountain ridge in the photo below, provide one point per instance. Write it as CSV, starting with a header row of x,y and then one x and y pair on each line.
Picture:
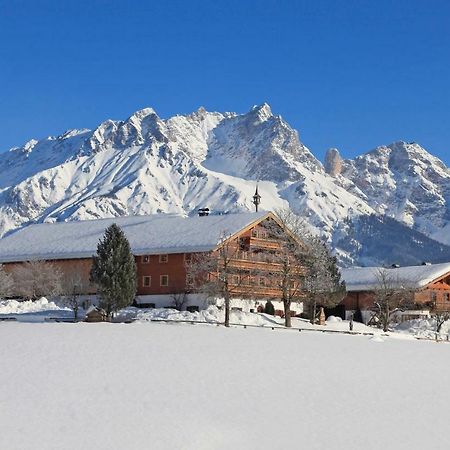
x,y
146,165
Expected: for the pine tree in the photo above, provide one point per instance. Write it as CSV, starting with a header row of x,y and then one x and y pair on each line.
x,y
114,270
269,308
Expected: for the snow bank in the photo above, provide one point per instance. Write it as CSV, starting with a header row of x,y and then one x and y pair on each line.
x,y
34,311
29,306
423,328
212,314
333,319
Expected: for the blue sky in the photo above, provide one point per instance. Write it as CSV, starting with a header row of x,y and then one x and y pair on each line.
x,y
347,74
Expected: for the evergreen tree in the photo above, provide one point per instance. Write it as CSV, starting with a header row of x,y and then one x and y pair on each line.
x,y
114,271
269,308
322,280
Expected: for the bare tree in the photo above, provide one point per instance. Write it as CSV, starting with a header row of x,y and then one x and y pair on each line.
x,y
215,274
6,283
288,272
35,279
179,300
309,272
73,285
391,294
440,318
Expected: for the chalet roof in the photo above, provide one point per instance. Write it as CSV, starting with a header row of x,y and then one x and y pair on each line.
x,y
368,278
154,234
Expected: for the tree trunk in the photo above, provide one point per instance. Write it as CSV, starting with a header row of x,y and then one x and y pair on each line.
x,y
314,308
386,319
227,310
287,313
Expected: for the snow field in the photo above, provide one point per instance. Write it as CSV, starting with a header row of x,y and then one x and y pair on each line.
x,y
159,386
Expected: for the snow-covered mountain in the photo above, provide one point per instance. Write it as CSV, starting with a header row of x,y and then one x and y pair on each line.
x,y
146,164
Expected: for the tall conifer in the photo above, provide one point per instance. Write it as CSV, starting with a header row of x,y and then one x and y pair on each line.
x,y
114,270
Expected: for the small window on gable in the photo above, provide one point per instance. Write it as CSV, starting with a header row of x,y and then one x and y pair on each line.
x,y
164,280
145,259
255,232
433,296
146,281
163,258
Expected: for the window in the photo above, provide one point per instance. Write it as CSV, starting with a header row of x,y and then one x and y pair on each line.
x,y
262,281
188,257
146,281
235,279
447,297
164,280
433,296
163,258
145,259
259,233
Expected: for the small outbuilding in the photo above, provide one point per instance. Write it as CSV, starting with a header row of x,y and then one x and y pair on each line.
x,y
96,314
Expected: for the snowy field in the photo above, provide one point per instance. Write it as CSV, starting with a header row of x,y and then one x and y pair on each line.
x,y
151,385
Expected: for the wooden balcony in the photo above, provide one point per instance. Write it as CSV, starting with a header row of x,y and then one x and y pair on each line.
x,y
269,244
255,291
258,265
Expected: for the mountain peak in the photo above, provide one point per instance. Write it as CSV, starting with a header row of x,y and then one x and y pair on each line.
x,y
141,114
333,162
263,111
28,146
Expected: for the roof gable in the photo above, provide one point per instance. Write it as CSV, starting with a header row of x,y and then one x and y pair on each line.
x,y
154,234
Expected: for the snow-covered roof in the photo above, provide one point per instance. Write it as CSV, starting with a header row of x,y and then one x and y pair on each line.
x,y
154,234
368,278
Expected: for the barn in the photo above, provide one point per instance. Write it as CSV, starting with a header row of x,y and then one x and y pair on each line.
x,y
162,244
430,284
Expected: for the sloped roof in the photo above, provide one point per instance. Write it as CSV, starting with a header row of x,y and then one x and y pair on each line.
x,y
368,278
154,234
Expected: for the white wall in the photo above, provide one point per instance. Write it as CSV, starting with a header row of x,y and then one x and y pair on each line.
x,y
200,300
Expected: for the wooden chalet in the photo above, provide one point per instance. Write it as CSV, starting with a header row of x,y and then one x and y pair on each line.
x,y
430,284
162,244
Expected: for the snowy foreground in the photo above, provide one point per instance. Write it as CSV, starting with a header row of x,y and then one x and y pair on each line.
x,y
180,386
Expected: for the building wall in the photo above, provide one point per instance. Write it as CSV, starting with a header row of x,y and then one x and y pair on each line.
x,y
154,267
253,255
437,293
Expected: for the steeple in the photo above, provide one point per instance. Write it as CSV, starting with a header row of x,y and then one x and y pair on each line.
x,y
256,198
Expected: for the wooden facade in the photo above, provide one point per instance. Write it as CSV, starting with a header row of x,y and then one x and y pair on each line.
x,y
435,295
254,258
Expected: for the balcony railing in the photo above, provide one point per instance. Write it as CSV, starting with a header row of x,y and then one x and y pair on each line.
x,y
271,244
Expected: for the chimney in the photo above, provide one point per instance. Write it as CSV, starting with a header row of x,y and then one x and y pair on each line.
x,y
202,212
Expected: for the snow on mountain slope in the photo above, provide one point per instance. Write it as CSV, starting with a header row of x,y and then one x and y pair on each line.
x,y
146,164
405,182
